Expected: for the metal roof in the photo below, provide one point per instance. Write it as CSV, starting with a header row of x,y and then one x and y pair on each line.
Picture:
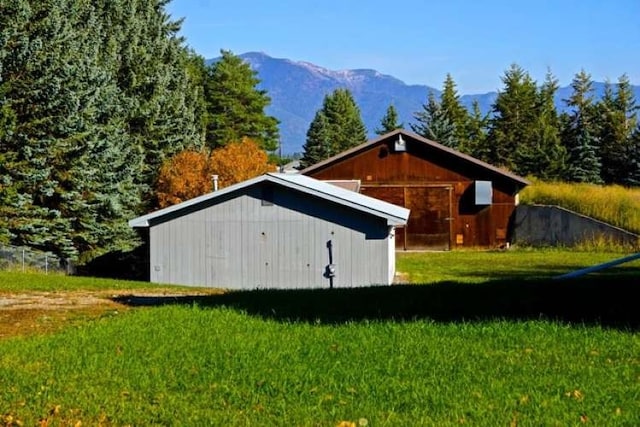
x,y
395,215
422,140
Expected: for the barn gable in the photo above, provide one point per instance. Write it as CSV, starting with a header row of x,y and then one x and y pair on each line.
x,y
455,199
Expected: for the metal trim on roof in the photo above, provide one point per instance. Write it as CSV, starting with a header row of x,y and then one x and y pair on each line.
x,y
395,215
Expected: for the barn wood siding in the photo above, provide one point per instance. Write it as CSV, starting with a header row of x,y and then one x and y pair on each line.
x,y
240,243
388,175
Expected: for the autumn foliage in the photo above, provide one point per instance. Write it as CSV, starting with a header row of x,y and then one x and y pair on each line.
x,y
188,174
183,177
239,161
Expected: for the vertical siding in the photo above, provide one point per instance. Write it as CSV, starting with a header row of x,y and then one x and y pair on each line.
x,y
240,244
382,171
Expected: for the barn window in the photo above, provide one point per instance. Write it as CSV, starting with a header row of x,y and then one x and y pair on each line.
x,y
483,192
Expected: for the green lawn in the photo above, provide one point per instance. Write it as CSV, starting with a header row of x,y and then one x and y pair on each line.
x,y
480,266
14,281
488,342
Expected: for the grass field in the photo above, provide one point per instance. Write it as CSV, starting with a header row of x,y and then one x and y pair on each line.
x,y
614,204
487,340
14,281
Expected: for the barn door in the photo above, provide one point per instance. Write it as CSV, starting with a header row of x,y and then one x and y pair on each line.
x,y
429,225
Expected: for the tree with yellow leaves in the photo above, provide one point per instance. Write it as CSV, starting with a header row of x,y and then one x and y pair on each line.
x,y
188,174
183,177
239,161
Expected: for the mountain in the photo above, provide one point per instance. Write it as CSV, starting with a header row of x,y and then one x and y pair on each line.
x,y
298,88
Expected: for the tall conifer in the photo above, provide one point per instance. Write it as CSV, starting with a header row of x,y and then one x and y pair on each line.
x,y
93,95
453,110
615,122
433,123
336,127
543,156
476,138
514,119
389,122
579,132
235,107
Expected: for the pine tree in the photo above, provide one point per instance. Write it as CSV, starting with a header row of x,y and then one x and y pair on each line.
x,y
453,110
336,127
585,164
633,159
615,121
545,156
433,123
514,119
579,133
67,165
235,107
94,94
346,128
197,73
389,122
158,95
476,137
319,145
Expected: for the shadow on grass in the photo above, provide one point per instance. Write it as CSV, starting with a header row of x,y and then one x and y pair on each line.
x,y
594,301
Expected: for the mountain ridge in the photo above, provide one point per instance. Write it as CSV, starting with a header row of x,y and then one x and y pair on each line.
x,y
297,89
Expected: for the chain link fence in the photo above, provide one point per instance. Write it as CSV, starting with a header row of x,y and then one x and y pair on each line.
x,y
26,259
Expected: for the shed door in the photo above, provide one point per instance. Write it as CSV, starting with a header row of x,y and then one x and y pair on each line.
x,y
429,225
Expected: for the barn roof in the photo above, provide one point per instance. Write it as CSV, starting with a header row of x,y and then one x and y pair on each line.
x,y
394,215
414,136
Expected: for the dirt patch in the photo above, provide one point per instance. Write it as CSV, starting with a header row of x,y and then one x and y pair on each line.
x,y
28,313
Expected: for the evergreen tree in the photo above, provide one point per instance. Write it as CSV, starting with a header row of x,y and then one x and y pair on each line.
x,y
346,128
514,119
579,133
476,137
455,113
66,165
545,156
197,73
336,127
319,145
433,123
235,107
389,122
615,121
92,95
585,163
158,95
633,159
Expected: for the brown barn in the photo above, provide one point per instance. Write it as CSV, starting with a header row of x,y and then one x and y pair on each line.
x,y
455,199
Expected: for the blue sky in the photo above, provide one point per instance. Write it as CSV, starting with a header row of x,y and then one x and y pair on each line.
x,y
419,42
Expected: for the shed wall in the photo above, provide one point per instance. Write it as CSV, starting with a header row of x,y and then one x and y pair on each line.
x,y
244,243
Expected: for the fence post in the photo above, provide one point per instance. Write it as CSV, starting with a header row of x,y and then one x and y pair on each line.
x,y
23,260
46,264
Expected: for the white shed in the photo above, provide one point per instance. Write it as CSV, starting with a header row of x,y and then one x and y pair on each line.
x,y
274,231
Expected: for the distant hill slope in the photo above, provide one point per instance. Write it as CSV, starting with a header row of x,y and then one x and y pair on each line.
x,y
297,89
